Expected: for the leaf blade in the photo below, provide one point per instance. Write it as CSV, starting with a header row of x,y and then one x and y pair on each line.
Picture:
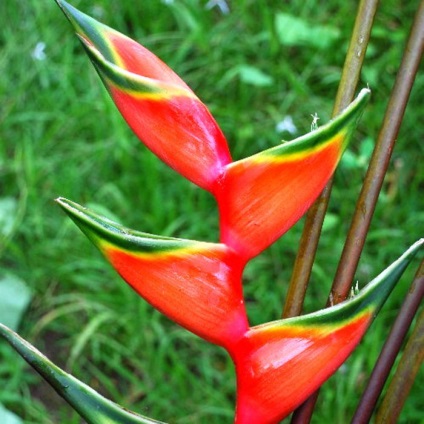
x,y
91,406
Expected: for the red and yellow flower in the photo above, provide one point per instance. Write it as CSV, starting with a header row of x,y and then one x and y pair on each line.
x,y
198,284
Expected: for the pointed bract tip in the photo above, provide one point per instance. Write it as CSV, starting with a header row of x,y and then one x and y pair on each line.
x,y
365,92
69,10
377,291
100,230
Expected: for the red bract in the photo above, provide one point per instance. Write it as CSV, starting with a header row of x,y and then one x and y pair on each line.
x,y
196,284
157,104
261,197
280,364
199,285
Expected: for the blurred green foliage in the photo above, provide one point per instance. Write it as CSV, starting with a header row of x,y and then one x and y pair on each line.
x,y
262,63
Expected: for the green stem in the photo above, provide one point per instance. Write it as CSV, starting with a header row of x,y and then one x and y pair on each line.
x,y
390,349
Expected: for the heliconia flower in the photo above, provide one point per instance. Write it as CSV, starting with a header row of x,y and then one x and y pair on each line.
x,y
196,284
262,196
156,103
89,404
280,364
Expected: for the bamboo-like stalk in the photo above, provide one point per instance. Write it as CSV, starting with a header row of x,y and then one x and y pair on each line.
x,y
315,216
368,198
404,377
390,349
380,160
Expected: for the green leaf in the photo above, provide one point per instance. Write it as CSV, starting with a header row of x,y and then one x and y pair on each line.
x,y
93,407
294,31
14,299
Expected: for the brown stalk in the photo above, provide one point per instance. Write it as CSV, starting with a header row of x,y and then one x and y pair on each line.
x,y
315,216
390,349
404,377
368,198
380,160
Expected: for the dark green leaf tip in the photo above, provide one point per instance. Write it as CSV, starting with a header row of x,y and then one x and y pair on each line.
x,y
91,406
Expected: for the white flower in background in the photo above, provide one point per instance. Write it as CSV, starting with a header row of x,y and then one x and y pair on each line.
x,y
286,125
221,4
38,53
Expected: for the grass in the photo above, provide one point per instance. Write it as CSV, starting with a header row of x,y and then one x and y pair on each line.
x,y
61,136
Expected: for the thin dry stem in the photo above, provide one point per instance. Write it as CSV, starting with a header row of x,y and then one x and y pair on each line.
x,y
404,377
315,216
372,185
380,160
390,349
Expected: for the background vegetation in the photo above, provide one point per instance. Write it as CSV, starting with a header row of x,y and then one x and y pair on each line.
x,y
260,64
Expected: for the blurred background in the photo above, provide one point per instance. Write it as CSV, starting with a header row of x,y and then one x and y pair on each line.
x,y
263,68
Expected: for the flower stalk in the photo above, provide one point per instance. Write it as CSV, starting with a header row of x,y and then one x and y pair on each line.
x,y
380,159
371,188
390,350
409,365
308,244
